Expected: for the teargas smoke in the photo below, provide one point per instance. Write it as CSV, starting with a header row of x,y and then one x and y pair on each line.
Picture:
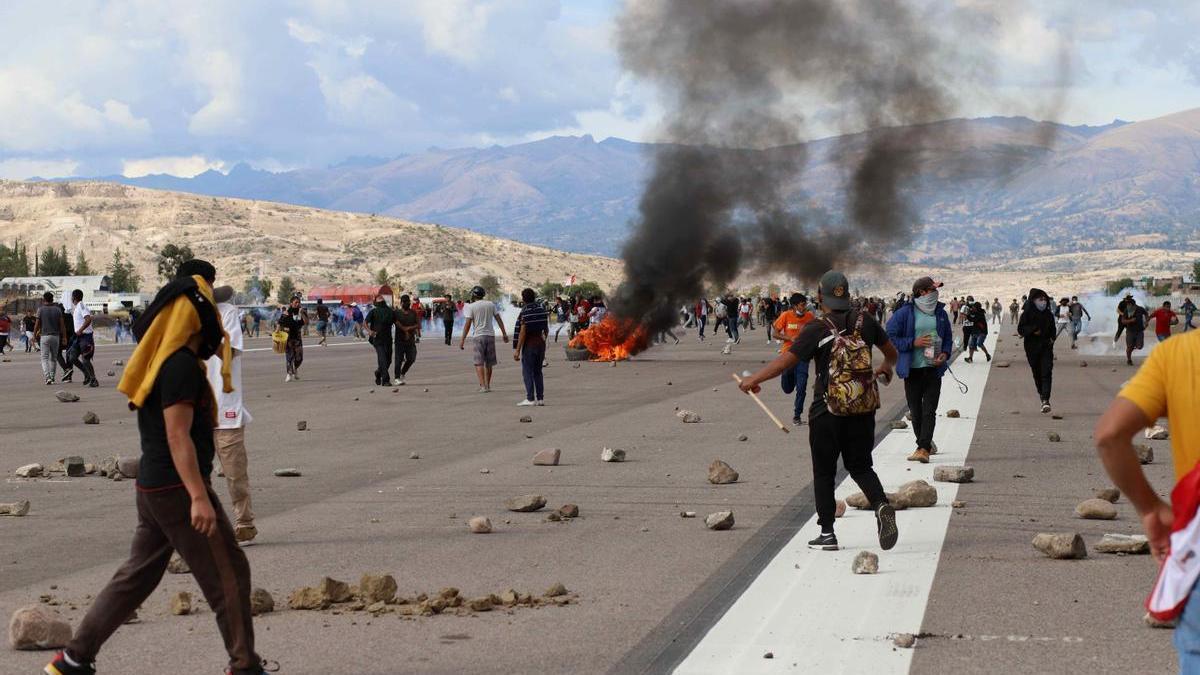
x,y
723,195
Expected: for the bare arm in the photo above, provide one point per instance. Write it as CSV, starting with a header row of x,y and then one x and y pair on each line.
x,y
500,322
178,419
466,331
1114,443
520,344
781,364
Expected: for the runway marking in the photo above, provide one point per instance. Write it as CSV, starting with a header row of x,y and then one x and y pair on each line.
x,y
810,611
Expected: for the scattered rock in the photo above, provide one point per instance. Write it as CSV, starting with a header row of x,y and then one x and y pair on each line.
x,y
112,373
1110,495
1155,623
334,590
480,525
108,466
36,627
1083,364
181,603
917,494
1003,364
547,457
376,588
525,503
720,473
90,417
74,466
510,598
31,471
904,640
556,590
15,508
839,508
177,565
743,438
482,604
1133,544
769,655
865,563
485,471
1060,546
526,419
128,466
687,514
568,511
612,455
1056,417
307,598
554,517
290,472
118,362
953,474
1096,509
413,455
721,520
898,424
1145,454
1053,437
66,396
1157,433
952,413
958,504
89,468
688,416
302,425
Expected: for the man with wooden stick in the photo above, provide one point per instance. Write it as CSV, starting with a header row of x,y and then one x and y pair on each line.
x,y
845,398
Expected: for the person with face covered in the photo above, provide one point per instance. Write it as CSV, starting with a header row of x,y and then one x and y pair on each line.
x,y
1037,327
379,322
921,332
293,320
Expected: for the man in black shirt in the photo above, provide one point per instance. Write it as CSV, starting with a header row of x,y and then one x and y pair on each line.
x,y
830,435
448,311
293,320
379,322
408,329
176,506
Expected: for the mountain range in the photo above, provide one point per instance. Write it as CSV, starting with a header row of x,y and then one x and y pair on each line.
x,y
998,187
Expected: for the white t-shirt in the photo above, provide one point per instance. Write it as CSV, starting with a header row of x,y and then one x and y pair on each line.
x,y
79,313
231,410
481,314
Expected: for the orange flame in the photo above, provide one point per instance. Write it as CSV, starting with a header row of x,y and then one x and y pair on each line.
x,y
613,339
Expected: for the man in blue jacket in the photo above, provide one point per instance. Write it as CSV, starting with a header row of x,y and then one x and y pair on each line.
x,y
920,330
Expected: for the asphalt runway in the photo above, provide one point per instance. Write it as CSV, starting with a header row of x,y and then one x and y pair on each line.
x,y
649,583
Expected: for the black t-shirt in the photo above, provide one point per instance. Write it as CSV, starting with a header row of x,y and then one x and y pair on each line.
x,y
181,381
29,323
292,320
406,318
812,345
323,312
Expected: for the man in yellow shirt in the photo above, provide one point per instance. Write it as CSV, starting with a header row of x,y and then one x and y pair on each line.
x,y
1165,386
786,329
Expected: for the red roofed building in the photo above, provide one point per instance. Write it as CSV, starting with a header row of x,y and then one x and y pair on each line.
x,y
363,294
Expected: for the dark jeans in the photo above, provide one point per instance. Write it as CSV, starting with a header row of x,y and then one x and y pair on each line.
x,y
852,437
922,389
703,321
383,359
406,355
449,330
80,353
796,379
217,563
532,358
1041,362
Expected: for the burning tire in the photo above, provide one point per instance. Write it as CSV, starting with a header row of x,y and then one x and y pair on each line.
x,y
578,354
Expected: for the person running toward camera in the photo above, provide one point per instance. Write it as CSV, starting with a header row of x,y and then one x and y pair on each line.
x,y
322,322
1164,317
977,319
786,329
1036,326
1133,320
293,319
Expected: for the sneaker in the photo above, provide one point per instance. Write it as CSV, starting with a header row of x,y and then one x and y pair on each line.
x,y
245,535
265,667
296,376
798,421
824,542
396,382
93,384
989,356
67,376
482,390
885,521
541,403
49,381
921,455
287,378
526,403
61,666
401,380
933,448
1045,407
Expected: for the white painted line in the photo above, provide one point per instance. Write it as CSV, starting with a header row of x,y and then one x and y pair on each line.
x,y
806,607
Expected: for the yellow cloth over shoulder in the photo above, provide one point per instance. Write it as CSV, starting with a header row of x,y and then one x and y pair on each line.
x,y
167,334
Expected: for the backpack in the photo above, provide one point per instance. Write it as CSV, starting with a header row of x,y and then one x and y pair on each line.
x,y
851,387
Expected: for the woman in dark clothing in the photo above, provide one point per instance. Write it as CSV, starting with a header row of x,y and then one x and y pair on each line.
x,y
1036,326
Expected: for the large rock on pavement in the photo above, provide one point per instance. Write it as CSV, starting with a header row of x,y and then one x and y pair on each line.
x,y
612,455
953,474
525,503
859,501
720,473
90,417
1060,545
480,525
37,627
177,565
1157,433
1096,509
128,466
376,588
66,396
31,471
15,508
74,466
1110,495
334,590
721,520
261,602
688,417
307,598
1145,454
865,563
917,494
1133,544
547,457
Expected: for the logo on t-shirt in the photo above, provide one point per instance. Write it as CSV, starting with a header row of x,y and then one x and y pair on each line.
x,y
231,414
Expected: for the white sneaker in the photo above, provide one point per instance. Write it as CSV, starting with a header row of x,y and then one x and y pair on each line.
x,y
482,390
397,382
288,378
541,403
526,403
401,380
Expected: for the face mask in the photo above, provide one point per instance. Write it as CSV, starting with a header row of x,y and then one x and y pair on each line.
x,y
928,302
1040,304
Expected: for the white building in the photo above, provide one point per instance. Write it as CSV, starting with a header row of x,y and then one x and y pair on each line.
x,y
96,291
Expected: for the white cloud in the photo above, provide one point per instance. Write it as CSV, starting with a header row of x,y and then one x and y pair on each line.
x,y
38,117
175,166
22,168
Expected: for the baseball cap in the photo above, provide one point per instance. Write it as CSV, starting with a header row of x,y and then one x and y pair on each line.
x,y
835,291
925,283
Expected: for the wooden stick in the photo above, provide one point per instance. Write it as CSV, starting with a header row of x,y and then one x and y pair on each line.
x,y
781,425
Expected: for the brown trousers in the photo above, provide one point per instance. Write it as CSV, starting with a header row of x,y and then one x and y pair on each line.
x,y
231,450
218,564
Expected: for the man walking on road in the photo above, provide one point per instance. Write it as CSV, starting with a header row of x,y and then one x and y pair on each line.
x,y
448,312
1164,386
850,436
786,329
48,331
408,331
482,315
322,322
83,345
534,322
922,335
380,319
1077,312
1133,320
1036,326
232,417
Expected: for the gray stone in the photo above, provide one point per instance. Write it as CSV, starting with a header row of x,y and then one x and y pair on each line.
x,y
1145,454
1053,437
90,417
688,417
480,525
334,590
1110,495
953,474
547,457
1083,364
556,590
525,503
1060,545
1096,509
917,494
1132,544
721,520
865,563
687,514
952,413
1002,364
904,640
177,565
30,471
74,466
413,455
118,362
261,602
526,419
37,627
302,425
307,598
743,438
108,466
568,511
181,603
112,373
898,424
1157,433
720,473
128,466
15,508
859,501
612,455
376,588
290,472
66,396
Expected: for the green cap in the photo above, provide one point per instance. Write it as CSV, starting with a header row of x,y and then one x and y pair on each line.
x,y
835,291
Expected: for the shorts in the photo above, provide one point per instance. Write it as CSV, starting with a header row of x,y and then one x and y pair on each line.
x,y
1135,339
485,350
976,340
321,326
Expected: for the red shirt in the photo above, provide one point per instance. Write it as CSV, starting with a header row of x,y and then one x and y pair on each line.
x,y
1162,321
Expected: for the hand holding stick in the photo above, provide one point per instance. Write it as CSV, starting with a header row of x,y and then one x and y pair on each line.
x,y
762,405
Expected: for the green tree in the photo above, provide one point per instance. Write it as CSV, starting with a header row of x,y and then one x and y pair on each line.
x,y
491,286
1196,270
14,262
53,263
1114,287
121,275
264,287
585,289
382,277
171,257
287,288
82,268
549,289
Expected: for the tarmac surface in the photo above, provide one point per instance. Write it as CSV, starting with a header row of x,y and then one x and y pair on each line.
x,y
648,583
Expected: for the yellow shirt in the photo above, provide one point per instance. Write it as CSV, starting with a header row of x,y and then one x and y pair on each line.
x,y
1168,385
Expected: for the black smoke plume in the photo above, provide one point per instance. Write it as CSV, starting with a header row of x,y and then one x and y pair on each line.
x,y
733,74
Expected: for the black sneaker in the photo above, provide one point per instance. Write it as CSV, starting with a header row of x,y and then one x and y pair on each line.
x,y
824,542
798,421
68,375
1045,407
885,521
267,666
93,383
60,666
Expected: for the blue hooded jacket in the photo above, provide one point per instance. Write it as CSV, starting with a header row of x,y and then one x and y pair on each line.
x,y
902,328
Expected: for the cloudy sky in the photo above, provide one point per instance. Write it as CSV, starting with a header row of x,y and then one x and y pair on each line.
x,y
94,87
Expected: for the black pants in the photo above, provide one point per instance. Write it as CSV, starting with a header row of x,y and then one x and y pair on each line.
x,y
449,330
1041,362
922,390
383,359
406,355
852,437
532,358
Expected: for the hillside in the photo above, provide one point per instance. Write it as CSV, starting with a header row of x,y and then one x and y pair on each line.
x,y
242,236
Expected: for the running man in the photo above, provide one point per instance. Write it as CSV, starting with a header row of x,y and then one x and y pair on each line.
x,y
48,332
977,318
293,319
83,345
1164,317
1189,311
322,322
786,329
408,333
1077,311
482,315
1133,321
380,320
